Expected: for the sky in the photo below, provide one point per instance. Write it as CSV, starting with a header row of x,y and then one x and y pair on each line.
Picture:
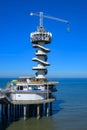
x,y
68,56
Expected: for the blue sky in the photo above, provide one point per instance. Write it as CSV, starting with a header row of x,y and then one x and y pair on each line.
x,y
68,55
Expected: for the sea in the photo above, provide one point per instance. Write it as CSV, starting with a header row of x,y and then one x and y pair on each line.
x,y
69,108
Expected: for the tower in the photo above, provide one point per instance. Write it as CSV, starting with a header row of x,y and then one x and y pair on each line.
x,y
39,39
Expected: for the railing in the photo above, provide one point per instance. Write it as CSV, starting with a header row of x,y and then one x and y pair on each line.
x,y
3,95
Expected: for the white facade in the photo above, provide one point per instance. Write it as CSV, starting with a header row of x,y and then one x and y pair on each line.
x,y
27,96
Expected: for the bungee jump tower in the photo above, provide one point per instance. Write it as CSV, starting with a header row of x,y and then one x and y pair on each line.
x,y
39,39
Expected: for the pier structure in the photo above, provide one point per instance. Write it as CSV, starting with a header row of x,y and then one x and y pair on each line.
x,y
14,110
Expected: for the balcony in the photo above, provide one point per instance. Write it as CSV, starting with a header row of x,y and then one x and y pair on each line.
x,y
44,37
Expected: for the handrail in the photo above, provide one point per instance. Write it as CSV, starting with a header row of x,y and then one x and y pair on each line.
x,y
4,96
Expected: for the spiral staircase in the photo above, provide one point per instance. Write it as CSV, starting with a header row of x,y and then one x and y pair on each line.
x,y
39,39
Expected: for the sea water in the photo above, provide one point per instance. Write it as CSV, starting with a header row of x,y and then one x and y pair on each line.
x,y
69,109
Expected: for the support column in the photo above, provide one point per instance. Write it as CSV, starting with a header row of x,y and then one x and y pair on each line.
x,y
11,111
17,111
14,112
28,110
38,111
35,110
25,112
6,111
50,108
47,109
21,110
3,112
41,110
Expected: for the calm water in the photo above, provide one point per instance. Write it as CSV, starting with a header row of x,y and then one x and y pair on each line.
x,y
69,109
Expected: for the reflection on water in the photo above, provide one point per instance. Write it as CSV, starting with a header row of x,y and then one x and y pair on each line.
x,y
32,124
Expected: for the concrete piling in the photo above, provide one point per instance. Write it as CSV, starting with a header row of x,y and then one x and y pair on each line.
x,y
6,111
38,111
3,112
50,108
46,109
11,111
18,110
25,108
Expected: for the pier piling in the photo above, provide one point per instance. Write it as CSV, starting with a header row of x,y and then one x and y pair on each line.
x,y
38,111
25,108
47,109
15,110
50,108
3,112
6,111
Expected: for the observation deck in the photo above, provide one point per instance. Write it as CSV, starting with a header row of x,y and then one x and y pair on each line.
x,y
41,36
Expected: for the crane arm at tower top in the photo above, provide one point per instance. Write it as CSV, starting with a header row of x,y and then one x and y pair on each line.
x,y
40,14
